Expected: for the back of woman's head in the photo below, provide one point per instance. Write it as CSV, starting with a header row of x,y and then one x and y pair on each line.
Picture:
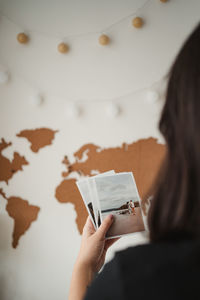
x,y
175,208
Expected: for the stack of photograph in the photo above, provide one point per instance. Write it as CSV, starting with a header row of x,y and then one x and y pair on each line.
x,y
116,194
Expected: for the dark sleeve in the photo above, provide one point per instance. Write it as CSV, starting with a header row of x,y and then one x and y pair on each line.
x,y
107,285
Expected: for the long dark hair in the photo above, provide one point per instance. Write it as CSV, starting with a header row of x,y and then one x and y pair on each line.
x,y
175,207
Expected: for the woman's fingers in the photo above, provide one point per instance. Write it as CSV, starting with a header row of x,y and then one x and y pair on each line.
x,y
110,242
88,228
105,225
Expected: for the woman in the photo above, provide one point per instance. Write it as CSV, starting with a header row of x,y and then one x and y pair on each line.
x,y
169,266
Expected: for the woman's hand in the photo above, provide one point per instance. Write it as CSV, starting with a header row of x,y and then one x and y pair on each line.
x,y
94,246
91,257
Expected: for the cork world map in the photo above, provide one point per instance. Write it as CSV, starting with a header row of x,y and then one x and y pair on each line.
x,y
142,157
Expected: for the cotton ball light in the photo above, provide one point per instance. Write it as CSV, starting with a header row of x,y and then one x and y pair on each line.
x,y
22,38
4,76
104,40
63,48
73,111
37,99
137,22
152,96
112,110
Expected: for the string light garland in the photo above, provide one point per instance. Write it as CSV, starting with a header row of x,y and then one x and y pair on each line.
x,y
113,108
63,48
137,22
37,99
73,107
72,110
152,96
22,38
104,39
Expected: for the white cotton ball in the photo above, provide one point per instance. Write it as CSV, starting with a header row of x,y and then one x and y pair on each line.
x,y
4,76
37,99
112,110
152,96
72,111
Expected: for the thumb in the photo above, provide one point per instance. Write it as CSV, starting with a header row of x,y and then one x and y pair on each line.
x,y
88,229
105,225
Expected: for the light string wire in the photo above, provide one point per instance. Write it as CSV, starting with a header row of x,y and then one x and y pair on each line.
x,y
79,101
104,30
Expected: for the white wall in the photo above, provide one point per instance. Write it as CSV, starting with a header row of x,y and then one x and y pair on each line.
x,y
41,266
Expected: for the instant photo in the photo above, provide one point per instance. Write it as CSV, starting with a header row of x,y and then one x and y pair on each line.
x,y
117,195
87,190
84,190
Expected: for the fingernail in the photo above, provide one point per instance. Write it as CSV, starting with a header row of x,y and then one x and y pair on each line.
x,y
111,217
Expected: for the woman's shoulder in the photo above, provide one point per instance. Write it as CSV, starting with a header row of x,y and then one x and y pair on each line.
x,y
153,256
168,248
154,267
147,269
